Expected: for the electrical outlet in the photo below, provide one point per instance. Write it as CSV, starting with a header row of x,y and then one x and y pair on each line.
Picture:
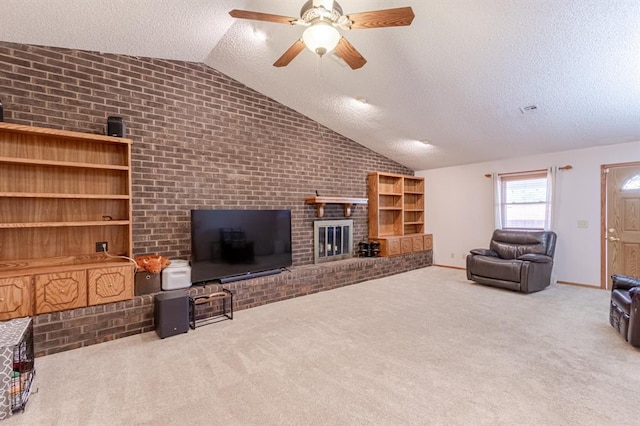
x,y
453,255
583,223
100,248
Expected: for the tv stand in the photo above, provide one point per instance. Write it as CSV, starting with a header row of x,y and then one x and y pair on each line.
x,y
249,275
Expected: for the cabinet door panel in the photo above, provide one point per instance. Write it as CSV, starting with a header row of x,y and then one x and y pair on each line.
x,y
393,246
407,245
15,298
428,242
60,291
418,243
389,246
110,284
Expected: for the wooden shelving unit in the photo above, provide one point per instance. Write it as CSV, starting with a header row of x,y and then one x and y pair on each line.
x,y
385,205
62,192
396,213
413,205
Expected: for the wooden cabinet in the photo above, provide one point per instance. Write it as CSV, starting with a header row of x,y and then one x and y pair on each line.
x,y
107,285
392,246
417,243
396,213
428,242
406,245
74,288
61,193
389,246
60,291
15,297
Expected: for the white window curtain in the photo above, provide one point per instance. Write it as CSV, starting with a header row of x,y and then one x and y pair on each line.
x,y
552,177
497,200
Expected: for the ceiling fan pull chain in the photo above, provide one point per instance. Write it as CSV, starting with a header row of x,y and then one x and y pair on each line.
x,y
319,75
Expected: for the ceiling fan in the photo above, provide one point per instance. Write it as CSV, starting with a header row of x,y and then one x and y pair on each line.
x,y
323,18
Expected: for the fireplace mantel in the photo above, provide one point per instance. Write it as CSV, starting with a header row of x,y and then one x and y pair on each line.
x,y
320,202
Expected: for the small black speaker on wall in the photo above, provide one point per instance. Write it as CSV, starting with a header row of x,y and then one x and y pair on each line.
x,y
1,112
115,127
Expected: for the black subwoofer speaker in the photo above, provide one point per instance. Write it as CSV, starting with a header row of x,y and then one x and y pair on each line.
x,y
115,127
171,313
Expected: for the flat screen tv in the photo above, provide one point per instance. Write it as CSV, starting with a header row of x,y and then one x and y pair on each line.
x,y
239,243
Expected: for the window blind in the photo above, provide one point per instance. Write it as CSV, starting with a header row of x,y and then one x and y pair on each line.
x,y
524,200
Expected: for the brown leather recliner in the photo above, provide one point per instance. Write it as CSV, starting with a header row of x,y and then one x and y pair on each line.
x,y
624,312
516,260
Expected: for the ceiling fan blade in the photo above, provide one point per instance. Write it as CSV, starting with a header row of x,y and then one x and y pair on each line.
x,y
290,54
258,16
349,54
382,18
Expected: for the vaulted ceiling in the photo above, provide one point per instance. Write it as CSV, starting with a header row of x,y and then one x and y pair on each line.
x,y
460,77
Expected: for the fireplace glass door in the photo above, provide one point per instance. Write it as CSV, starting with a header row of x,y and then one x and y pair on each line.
x,y
333,240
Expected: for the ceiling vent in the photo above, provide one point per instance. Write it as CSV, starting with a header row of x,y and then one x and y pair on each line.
x,y
529,109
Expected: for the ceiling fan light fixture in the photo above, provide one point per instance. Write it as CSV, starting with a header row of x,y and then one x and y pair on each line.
x,y
321,37
324,19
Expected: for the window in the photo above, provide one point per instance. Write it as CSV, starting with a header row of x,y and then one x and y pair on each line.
x,y
524,200
632,183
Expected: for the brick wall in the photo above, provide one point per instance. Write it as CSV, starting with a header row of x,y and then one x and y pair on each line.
x,y
201,140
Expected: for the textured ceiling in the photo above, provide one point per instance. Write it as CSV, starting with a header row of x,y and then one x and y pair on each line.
x,y
457,77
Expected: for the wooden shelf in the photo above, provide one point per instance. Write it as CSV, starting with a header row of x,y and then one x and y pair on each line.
x,y
387,235
56,189
414,223
320,203
64,224
48,266
390,208
36,162
62,134
70,196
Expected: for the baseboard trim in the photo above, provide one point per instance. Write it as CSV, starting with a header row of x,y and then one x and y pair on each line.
x,y
579,285
559,282
450,267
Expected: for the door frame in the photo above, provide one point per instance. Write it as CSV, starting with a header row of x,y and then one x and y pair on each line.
x,y
604,279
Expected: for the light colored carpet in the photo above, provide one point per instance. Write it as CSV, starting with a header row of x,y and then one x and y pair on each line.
x,y
424,347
